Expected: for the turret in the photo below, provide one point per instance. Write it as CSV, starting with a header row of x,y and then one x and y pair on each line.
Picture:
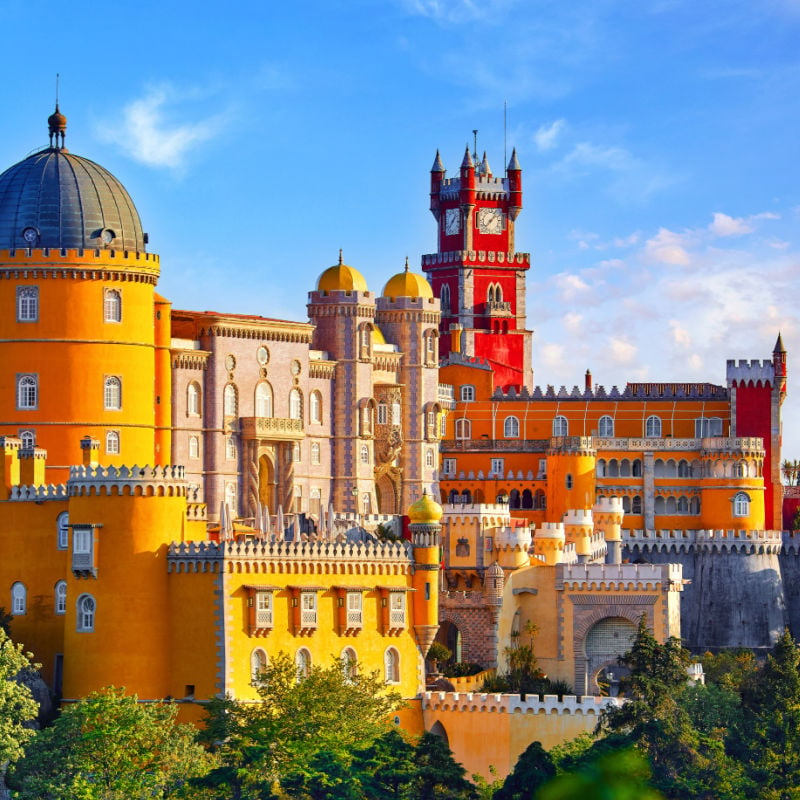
x,y
779,364
578,529
32,462
425,516
548,542
607,514
9,464
437,176
514,173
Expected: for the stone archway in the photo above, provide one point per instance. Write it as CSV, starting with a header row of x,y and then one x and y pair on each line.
x,y
267,483
450,636
437,729
388,495
605,642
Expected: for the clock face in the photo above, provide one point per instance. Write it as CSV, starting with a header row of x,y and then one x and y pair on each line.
x,y
452,221
490,220
30,235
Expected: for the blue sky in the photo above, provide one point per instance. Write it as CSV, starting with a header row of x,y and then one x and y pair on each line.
x,y
659,143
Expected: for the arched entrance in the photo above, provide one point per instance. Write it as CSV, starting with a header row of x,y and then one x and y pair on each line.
x,y
450,636
386,491
605,642
438,730
266,483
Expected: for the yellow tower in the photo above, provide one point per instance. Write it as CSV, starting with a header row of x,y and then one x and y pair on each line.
x,y
608,514
425,516
78,288
571,462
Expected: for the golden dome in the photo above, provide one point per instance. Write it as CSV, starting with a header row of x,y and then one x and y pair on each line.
x,y
407,284
426,509
341,278
377,336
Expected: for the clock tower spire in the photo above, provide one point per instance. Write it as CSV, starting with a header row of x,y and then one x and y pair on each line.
x,y
476,271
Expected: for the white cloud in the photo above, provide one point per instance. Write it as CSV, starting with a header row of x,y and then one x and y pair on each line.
x,y
547,136
680,336
150,136
668,247
622,351
457,11
570,285
723,225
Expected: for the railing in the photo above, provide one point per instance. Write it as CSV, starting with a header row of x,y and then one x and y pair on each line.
x,y
308,619
498,307
271,427
264,618
397,618
355,619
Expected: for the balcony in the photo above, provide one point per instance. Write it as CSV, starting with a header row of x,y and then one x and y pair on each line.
x,y
498,308
276,428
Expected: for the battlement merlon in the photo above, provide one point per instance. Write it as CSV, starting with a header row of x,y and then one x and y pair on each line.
x,y
667,577
500,259
168,480
510,703
83,263
746,370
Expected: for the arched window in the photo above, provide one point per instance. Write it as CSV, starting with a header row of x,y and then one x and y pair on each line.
x,y
429,458
258,666
444,297
637,468
60,598
27,304
112,443
396,413
315,407
463,429
391,664
19,599
364,454
28,439
86,611
194,447
302,662
263,400
683,469
659,505
613,468
636,505
230,399
315,453
112,306
62,530
467,393
193,399
560,426
626,504
112,393
348,657
295,404
568,481
605,427
27,391
430,348
652,427
297,453
600,468
683,505
511,428
741,505
230,448
230,498
625,468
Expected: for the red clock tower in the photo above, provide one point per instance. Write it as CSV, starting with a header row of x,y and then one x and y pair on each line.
x,y
476,272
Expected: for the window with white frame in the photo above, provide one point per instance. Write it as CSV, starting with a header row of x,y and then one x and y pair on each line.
x,y
498,466
82,541
19,599
704,428
230,448
449,466
295,404
230,498
463,429
560,426
194,447
741,505
112,443
391,663
60,606
263,609
364,454
193,399
230,400
315,407
652,427
27,304
27,392
315,501
62,530
349,661
112,393
355,613
397,609
315,453
396,411
383,413
263,400
258,665
297,453
28,439
430,460
442,426
605,427
308,609
467,393
112,305
511,427
86,611
302,662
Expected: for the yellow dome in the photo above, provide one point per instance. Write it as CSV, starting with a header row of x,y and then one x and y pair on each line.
x,y
407,284
341,278
377,336
426,509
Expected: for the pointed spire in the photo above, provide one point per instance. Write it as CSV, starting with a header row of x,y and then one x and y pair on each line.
x,y
438,166
340,257
514,162
485,168
406,263
467,162
779,348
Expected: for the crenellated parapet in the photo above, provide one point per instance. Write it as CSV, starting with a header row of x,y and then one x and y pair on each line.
x,y
70,264
752,371
705,541
147,481
512,538
619,577
632,391
280,557
38,493
513,704
476,257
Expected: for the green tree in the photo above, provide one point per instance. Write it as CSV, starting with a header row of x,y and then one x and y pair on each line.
x,y
767,739
17,706
533,769
111,747
438,775
729,668
386,768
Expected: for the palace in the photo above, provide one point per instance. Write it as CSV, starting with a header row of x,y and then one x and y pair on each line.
x,y
185,494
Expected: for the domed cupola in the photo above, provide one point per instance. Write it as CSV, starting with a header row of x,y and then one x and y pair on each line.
x,y
407,284
341,278
59,200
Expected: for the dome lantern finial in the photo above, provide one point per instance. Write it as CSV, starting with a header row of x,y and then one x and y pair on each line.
x,y
340,257
406,263
57,124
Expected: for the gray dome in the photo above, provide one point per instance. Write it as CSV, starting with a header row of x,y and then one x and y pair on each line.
x,y
56,199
